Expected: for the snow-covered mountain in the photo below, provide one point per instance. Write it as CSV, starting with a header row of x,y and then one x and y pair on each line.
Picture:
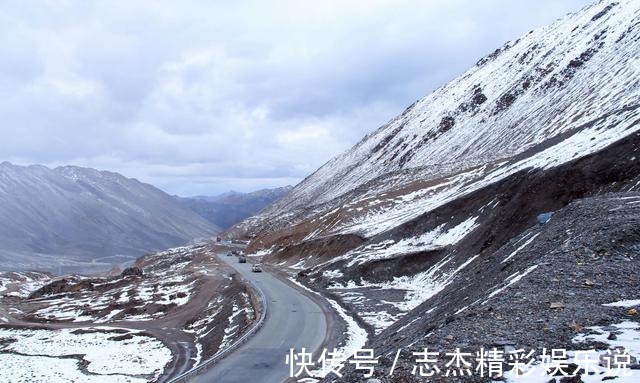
x,y
69,215
437,224
572,85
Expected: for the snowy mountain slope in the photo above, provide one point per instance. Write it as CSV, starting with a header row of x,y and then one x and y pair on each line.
x,y
541,289
69,215
551,81
441,209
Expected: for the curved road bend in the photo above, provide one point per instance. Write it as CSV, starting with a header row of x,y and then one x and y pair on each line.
x,y
293,321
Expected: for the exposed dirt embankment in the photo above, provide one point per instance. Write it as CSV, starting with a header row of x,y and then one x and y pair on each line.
x,y
317,250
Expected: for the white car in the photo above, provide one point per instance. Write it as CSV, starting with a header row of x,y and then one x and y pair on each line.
x,y
256,268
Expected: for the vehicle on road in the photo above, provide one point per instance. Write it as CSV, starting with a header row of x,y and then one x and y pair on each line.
x,y
256,268
242,260
229,254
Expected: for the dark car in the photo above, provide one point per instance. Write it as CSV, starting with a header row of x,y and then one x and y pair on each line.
x,y
242,260
229,254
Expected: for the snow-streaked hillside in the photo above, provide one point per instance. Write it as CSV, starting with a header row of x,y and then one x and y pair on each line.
x,y
577,77
441,216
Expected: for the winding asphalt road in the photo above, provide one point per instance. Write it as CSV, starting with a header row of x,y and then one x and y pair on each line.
x,y
293,321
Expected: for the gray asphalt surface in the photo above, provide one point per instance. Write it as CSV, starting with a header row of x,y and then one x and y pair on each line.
x,y
293,321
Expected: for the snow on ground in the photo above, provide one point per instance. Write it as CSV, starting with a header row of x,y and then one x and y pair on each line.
x,y
299,265
201,327
171,286
332,274
558,99
431,240
403,208
511,280
434,239
516,251
415,290
232,329
107,351
356,335
261,252
155,291
23,368
356,339
214,318
627,338
22,283
625,303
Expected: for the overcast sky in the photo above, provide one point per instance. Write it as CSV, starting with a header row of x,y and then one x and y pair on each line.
x,y
204,97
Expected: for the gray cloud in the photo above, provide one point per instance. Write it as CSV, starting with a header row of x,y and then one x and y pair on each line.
x,y
201,97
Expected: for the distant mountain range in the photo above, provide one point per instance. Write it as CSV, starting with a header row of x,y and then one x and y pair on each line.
x,y
227,209
71,215
80,219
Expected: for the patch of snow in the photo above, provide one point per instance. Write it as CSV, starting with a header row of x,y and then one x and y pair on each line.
x,y
27,368
299,265
138,355
261,252
461,310
332,274
625,303
512,279
520,248
627,337
356,336
417,289
431,240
